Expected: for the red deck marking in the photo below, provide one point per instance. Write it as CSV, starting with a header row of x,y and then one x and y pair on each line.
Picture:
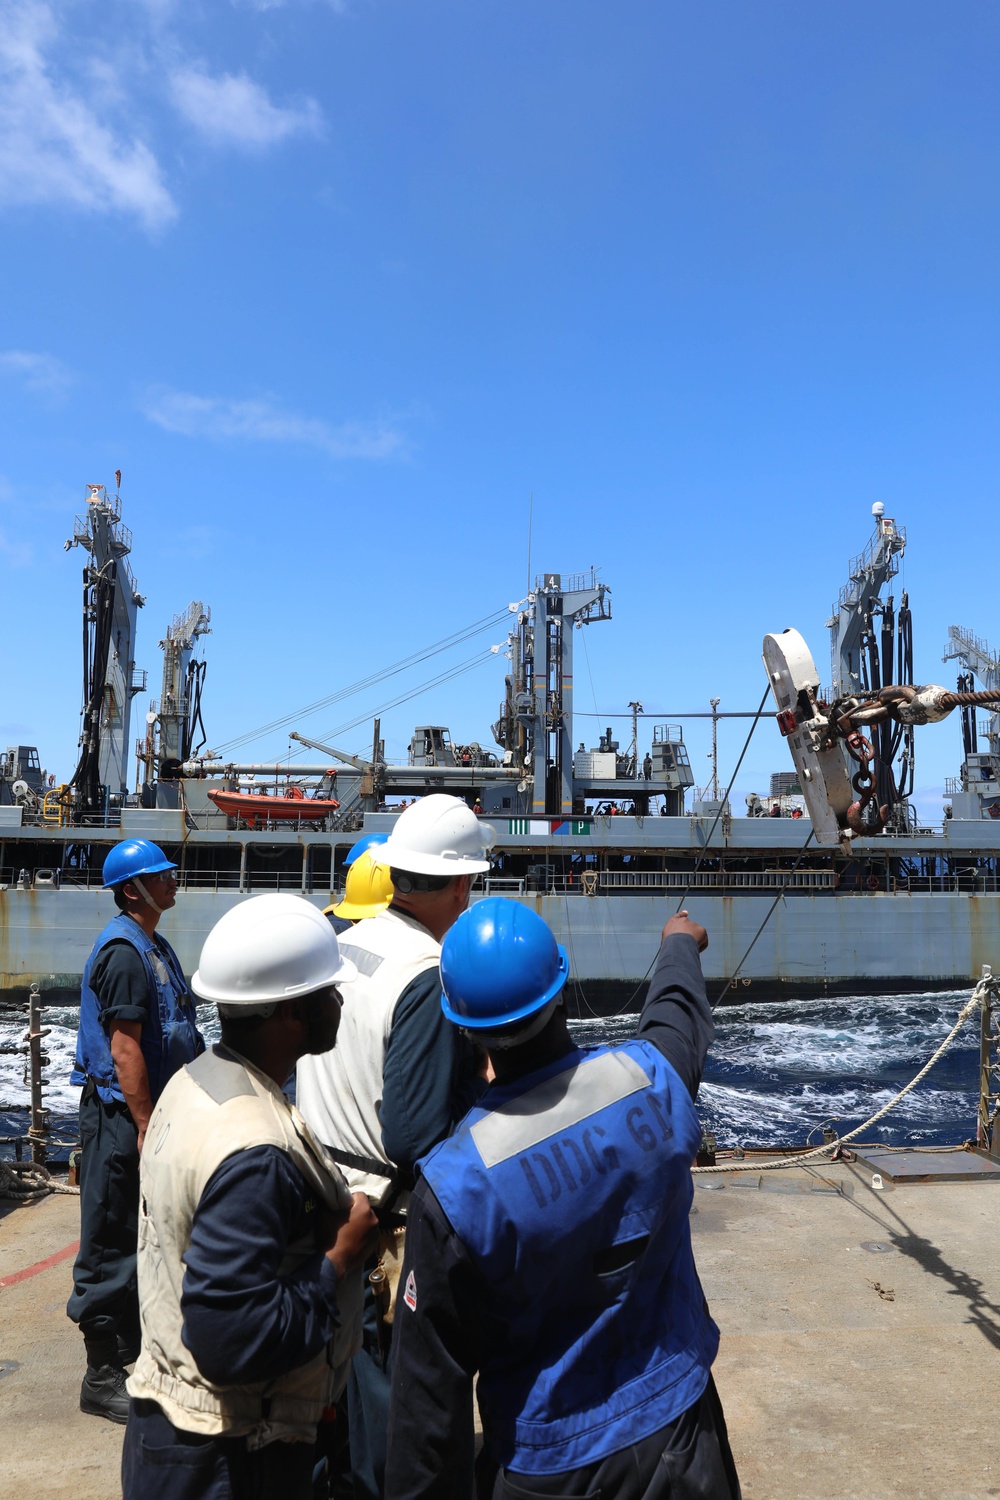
x,y
40,1265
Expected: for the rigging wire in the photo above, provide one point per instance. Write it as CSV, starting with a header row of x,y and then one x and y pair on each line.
x,y
770,912
423,687
700,860
478,627
593,690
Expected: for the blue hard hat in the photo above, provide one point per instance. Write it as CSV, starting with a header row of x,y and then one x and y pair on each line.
x,y
499,964
134,857
364,842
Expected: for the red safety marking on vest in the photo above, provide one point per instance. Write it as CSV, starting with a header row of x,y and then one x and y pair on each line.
x,y
410,1293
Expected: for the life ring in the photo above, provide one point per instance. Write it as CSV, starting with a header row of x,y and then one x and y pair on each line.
x,y
995,809
873,883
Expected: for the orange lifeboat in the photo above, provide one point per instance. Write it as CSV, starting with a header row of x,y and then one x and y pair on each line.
x,y
292,808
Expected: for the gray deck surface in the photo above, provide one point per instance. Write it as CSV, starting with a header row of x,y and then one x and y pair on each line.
x,y
860,1340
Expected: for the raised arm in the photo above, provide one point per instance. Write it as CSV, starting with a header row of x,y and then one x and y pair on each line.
x,y
676,1017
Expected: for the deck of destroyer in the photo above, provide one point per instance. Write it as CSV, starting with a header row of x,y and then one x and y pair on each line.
x,y
860,1339
860,1331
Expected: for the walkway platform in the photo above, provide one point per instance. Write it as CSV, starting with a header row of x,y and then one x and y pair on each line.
x,y
859,1356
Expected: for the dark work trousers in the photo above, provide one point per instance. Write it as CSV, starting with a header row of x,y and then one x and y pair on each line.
x,y
369,1386
689,1459
104,1297
160,1462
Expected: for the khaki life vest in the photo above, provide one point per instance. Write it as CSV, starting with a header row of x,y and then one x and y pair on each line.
x,y
216,1106
340,1092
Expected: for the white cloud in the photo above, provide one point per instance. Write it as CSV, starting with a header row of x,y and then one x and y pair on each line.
x,y
235,111
218,417
42,373
53,146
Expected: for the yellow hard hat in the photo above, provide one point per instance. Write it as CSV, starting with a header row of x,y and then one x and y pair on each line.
x,y
368,890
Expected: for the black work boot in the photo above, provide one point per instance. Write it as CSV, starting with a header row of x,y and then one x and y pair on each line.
x,y
103,1392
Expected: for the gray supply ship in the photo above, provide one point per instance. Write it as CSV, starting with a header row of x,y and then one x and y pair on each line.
x,y
603,844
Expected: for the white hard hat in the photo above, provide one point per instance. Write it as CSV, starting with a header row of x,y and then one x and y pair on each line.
x,y
437,835
267,949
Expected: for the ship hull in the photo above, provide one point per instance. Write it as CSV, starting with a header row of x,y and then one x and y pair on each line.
x,y
825,944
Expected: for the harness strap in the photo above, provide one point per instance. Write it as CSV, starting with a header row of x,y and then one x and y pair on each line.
x,y
402,1181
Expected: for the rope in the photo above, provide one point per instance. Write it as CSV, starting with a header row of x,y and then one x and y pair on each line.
x,y
978,998
21,1179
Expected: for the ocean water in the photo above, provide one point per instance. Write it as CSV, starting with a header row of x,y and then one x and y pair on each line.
x,y
775,1074
60,1098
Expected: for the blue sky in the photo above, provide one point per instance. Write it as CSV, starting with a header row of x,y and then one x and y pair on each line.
x,y
339,286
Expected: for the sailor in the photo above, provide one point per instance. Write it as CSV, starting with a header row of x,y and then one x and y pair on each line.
x,y
548,1244
400,1077
362,845
250,1242
367,891
137,1027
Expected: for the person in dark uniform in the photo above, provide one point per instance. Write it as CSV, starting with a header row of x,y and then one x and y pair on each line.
x,y
399,1077
548,1244
137,1027
250,1242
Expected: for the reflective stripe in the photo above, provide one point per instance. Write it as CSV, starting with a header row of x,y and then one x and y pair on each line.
x,y
556,1105
219,1076
363,960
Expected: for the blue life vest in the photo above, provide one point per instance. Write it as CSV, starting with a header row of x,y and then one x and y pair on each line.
x,y
570,1189
169,1038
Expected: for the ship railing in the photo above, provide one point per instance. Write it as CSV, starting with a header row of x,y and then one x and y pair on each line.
x,y
34,817
733,880
502,885
978,882
859,566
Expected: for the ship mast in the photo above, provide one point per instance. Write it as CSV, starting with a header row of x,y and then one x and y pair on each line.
x,y
111,602
851,615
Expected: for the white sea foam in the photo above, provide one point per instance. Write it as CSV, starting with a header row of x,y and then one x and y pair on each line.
x,y
775,1073
778,1070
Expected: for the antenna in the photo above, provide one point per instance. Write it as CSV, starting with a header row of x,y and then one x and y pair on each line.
x,y
531,508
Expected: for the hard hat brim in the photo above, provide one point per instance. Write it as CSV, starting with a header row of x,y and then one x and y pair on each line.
x,y
354,912
156,868
343,974
501,1023
417,863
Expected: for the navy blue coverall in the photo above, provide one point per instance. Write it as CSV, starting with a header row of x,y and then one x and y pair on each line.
x,y
687,1459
